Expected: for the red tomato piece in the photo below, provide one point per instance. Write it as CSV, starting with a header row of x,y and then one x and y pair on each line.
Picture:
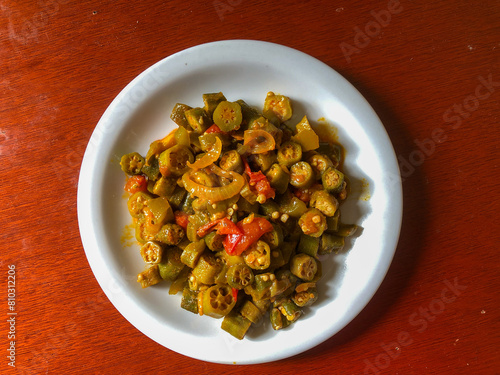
x,y
136,183
213,129
181,218
235,244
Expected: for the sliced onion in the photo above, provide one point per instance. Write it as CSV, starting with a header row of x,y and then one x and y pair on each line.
x,y
214,194
258,141
210,156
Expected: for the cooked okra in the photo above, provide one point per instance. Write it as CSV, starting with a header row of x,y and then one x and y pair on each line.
x,y
235,208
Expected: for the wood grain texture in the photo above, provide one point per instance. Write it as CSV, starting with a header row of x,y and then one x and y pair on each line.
x,y
432,74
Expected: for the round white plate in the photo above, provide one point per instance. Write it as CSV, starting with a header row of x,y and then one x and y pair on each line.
x,y
247,70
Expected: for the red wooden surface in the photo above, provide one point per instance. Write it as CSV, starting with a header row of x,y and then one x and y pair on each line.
x,y
430,70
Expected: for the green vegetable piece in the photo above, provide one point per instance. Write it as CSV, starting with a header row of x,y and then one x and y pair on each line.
x,y
279,177
173,161
248,193
192,253
306,136
177,197
258,255
137,202
246,207
152,252
263,161
170,234
217,301
332,180
313,222
261,288
159,211
239,276
277,107
171,266
287,249
278,321
301,175
187,205
236,325
279,286
287,278
211,101
189,300
214,241
277,259
143,231
165,186
248,113
274,238
308,245
149,277
251,312
319,163
303,266
334,152
330,243
180,282
305,297
290,310
132,163
268,208
207,268
227,116
152,170
324,202
289,153
333,222
198,119
291,205
178,114
182,137
231,161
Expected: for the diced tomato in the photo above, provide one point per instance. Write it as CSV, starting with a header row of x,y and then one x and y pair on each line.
x,y
235,293
264,187
136,183
258,182
226,226
235,244
222,226
181,218
305,194
213,129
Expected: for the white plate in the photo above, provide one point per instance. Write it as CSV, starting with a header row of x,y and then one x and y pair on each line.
x,y
241,69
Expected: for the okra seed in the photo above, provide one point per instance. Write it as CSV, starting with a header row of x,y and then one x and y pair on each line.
x,y
261,198
316,219
275,215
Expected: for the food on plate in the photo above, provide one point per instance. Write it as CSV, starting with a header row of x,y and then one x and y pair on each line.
x,y
236,209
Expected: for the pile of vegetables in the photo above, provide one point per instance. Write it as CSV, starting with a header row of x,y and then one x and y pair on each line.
x,y
235,208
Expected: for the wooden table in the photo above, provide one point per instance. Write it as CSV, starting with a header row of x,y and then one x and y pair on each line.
x,y
429,69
